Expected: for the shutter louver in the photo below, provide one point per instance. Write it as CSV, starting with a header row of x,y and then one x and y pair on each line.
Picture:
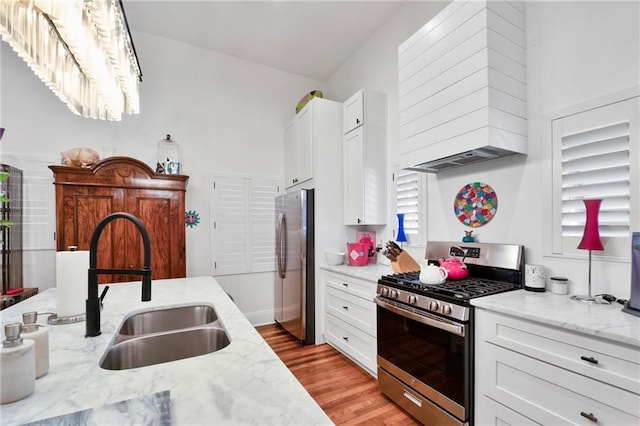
x,y
595,164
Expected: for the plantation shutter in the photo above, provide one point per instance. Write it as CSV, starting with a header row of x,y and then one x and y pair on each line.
x,y
408,201
596,155
595,164
243,224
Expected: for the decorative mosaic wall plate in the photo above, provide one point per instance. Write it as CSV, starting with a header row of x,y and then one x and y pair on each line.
x,y
476,204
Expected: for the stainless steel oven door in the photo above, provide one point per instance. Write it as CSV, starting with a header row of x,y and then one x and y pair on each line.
x,y
430,354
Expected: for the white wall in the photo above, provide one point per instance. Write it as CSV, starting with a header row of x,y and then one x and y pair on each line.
x,y
227,114
576,51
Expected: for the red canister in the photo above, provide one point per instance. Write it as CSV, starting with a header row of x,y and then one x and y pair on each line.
x,y
358,254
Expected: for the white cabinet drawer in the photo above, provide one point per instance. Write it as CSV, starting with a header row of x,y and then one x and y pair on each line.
x,y
616,364
359,312
490,412
549,394
356,344
355,286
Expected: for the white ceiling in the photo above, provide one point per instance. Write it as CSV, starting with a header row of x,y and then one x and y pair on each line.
x,y
309,38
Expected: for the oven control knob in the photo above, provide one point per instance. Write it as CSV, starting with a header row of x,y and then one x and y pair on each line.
x,y
393,294
384,291
412,299
446,309
434,306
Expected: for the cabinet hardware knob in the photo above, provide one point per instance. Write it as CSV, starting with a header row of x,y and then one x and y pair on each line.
x,y
345,284
345,307
589,416
359,220
345,338
357,121
590,359
130,266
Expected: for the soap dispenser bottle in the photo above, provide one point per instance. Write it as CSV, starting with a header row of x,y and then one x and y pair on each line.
x,y
40,335
17,365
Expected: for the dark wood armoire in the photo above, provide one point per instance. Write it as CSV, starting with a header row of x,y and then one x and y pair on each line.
x,y
84,196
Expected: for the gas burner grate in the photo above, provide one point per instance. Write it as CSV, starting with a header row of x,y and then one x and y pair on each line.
x,y
462,290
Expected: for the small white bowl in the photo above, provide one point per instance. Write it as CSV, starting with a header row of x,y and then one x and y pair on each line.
x,y
334,258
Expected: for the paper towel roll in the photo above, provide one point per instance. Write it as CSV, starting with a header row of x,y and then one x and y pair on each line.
x,y
71,280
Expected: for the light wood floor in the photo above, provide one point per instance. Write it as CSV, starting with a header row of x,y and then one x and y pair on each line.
x,y
345,392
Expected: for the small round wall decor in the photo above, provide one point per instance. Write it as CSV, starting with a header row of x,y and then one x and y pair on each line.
x,y
191,218
476,204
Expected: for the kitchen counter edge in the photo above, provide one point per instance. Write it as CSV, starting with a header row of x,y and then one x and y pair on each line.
x,y
603,321
244,383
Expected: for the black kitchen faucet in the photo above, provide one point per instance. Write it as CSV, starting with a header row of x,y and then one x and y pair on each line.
x,y
93,301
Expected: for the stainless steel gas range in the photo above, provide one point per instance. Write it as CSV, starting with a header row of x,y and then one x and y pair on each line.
x,y
425,332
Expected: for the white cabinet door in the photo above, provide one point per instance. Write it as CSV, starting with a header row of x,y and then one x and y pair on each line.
x,y
354,183
305,135
298,148
353,112
291,153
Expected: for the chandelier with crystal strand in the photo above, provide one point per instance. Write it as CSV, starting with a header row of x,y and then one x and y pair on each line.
x,y
81,49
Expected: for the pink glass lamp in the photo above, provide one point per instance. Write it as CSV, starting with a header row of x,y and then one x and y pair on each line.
x,y
591,241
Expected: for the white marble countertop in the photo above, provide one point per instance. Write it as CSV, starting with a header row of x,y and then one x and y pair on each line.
x,y
604,321
371,272
244,383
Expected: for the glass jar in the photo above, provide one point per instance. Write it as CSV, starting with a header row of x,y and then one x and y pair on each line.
x,y
168,156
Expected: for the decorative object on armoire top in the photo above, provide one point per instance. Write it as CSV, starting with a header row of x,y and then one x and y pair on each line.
x,y
191,218
79,157
87,41
475,204
468,238
591,241
168,156
402,237
306,98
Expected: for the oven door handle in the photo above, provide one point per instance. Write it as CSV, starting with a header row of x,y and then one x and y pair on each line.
x,y
451,328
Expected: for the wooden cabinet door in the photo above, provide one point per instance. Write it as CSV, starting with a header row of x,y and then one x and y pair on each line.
x,y
82,208
162,214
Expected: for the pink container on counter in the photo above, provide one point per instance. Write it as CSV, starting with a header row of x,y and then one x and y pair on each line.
x,y
358,254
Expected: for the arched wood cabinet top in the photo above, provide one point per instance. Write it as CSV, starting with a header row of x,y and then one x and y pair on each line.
x,y
123,172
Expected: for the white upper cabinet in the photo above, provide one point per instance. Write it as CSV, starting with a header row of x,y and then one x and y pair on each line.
x,y
353,112
298,148
365,158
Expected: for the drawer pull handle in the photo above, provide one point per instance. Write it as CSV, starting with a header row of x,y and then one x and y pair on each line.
x,y
345,284
589,416
346,308
412,398
345,338
590,359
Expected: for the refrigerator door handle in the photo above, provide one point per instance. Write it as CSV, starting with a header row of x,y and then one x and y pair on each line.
x,y
283,246
279,242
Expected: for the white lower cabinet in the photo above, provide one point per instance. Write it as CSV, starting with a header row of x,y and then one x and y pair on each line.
x,y
351,318
533,373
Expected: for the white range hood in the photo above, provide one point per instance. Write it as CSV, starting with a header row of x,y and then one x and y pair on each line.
x,y
462,87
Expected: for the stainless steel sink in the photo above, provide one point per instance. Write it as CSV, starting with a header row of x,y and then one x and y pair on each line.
x,y
164,347
168,319
164,335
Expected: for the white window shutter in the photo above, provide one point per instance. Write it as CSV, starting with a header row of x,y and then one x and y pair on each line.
x,y
595,164
410,200
243,224
596,155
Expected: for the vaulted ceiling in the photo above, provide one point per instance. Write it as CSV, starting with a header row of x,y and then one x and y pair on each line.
x,y
309,38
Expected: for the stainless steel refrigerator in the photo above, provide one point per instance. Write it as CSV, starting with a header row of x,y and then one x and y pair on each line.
x,y
295,278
